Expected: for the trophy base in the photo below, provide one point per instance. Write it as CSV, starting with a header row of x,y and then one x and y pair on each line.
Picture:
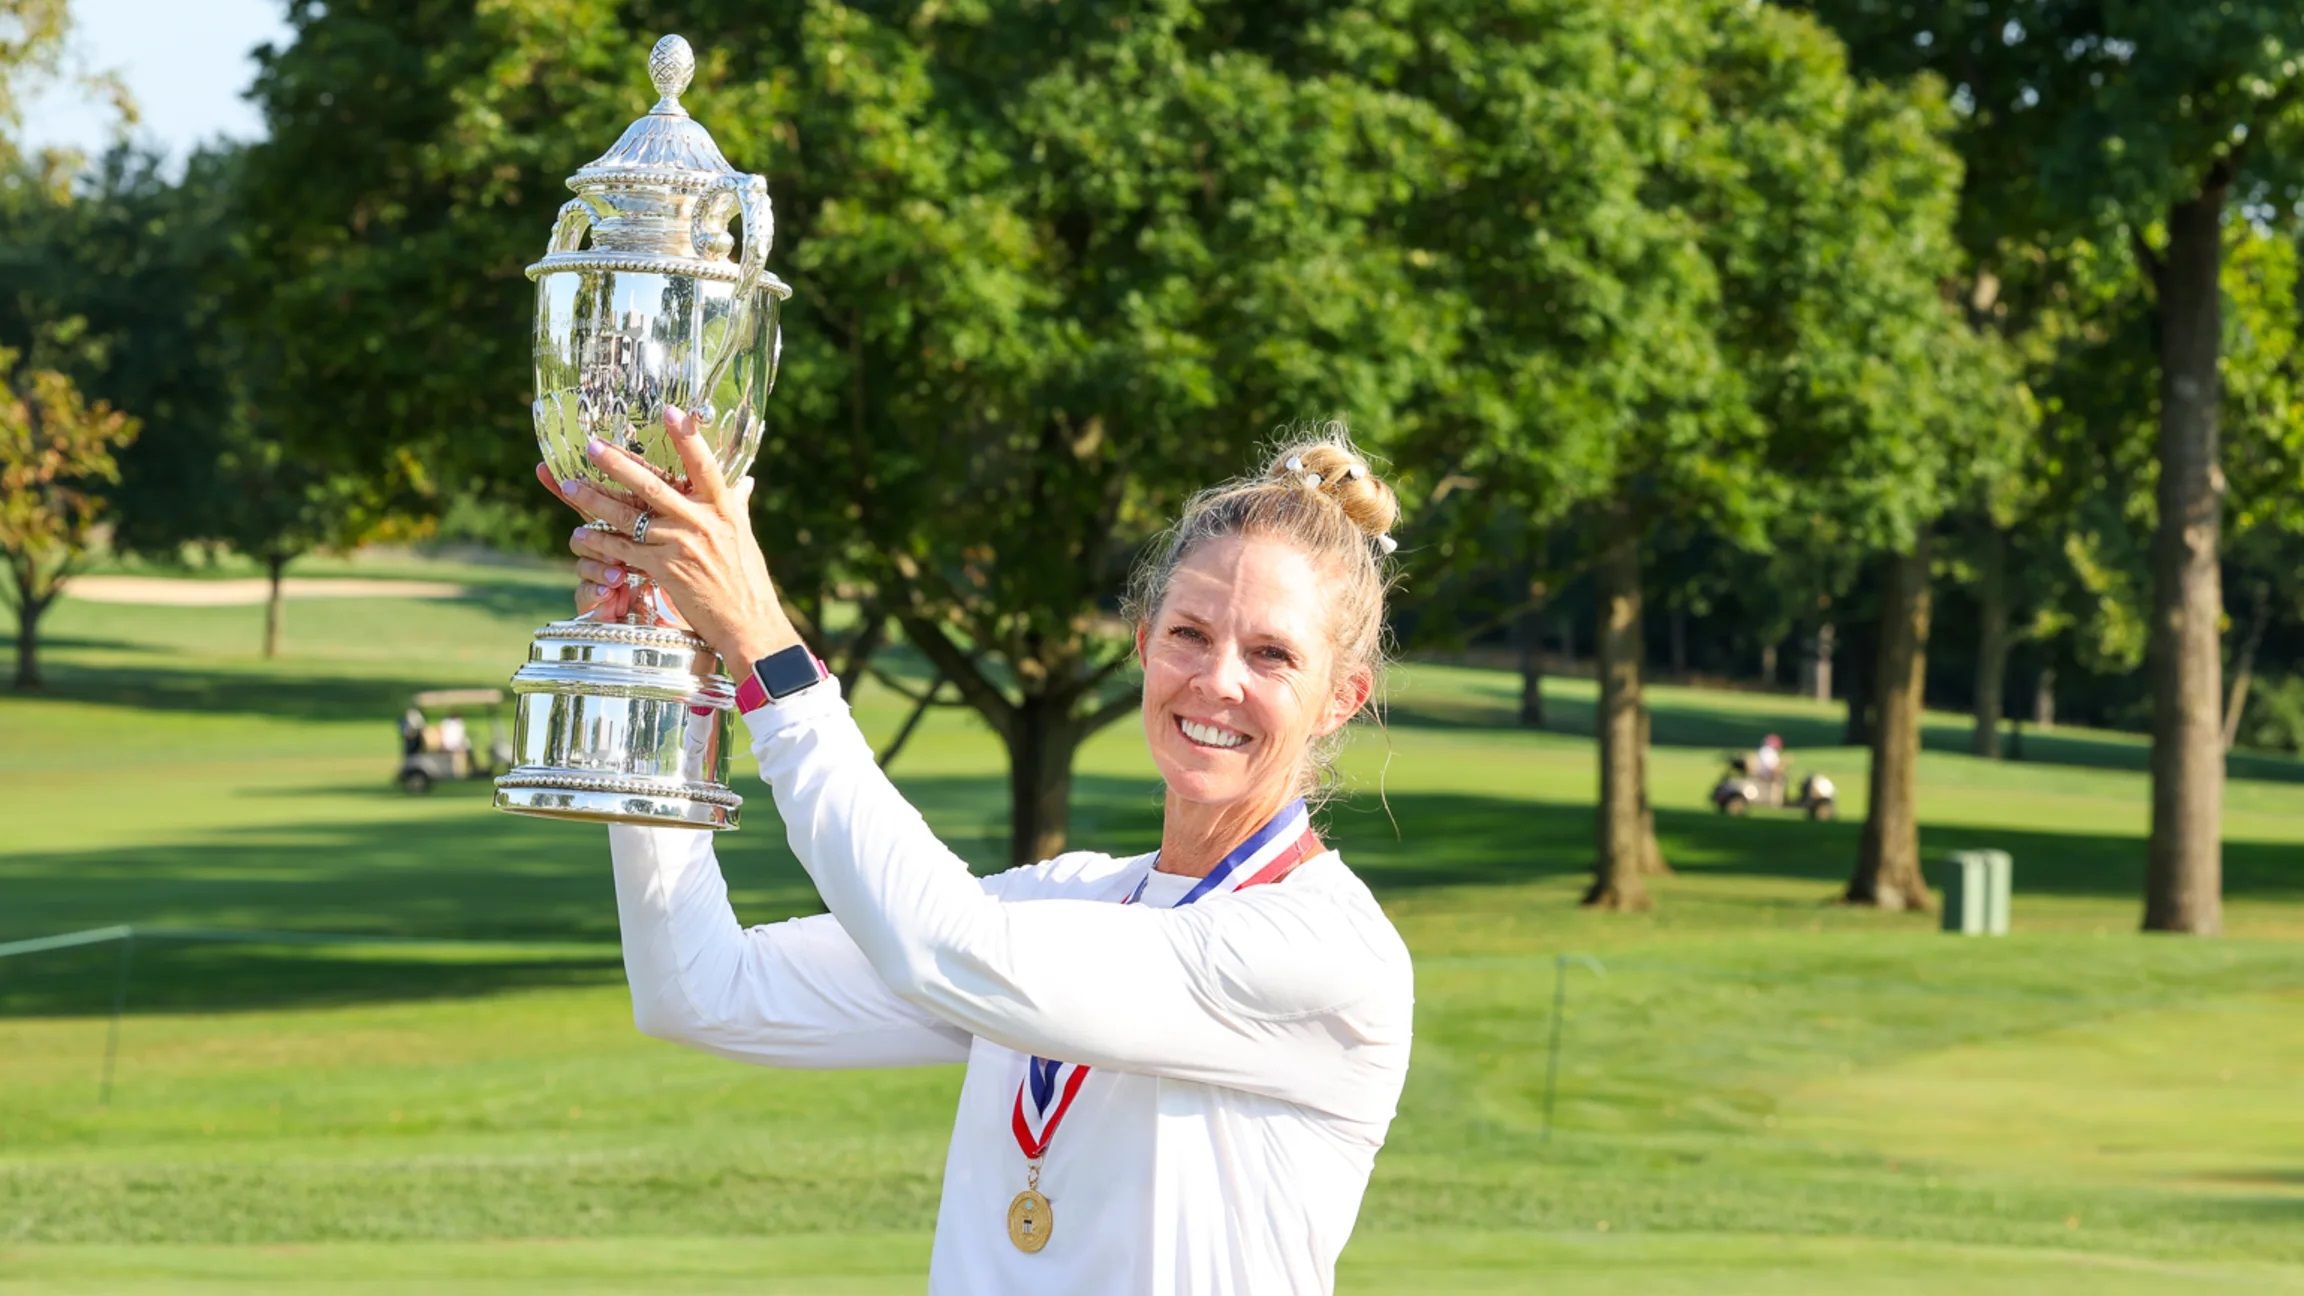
x,y
653,806
621,724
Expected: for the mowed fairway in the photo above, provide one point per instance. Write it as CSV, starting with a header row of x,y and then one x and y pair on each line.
x,y
1758,1092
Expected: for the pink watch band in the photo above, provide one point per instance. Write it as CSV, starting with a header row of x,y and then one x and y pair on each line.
x,y
750,696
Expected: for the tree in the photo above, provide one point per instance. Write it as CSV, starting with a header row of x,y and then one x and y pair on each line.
x,y
2142,124
2078,317
1488,570
281,508
1054,268
2082,517
2016,302
1888,873
1973,435
56,452
33,51
1698,267
148,261
2264,389
177,334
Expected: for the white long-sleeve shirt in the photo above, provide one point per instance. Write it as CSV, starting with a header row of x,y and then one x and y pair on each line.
x,y
1247,1051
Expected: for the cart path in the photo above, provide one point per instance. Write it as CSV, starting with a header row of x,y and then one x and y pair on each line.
x,y
165,592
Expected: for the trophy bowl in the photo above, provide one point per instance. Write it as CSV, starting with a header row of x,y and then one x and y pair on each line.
x,y
639,307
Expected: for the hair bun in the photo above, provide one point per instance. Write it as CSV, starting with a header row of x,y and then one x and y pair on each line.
x,y
1328,464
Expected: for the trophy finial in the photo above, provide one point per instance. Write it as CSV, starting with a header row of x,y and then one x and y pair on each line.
x,y
671,65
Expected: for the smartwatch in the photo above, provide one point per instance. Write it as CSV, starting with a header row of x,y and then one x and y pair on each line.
x,y
779,675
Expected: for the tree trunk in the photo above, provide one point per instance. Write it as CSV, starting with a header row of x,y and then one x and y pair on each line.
x,y
1888,863
28,610
887,755
1616,873
1991,643
2044,698
1676,639
1860,673
32,597
1817,684
275,567
1651,852
2244,667
1768,656
1040,779
853,659
1041,730
2183,876
1529,629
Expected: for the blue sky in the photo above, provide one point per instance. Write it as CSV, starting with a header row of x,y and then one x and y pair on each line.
x,y
185,61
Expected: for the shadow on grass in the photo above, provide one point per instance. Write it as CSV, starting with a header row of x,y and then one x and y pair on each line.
x,y
1493,702
470,874
476,875
167,975
2283,1177
1452,840
69,643
289,690
285,694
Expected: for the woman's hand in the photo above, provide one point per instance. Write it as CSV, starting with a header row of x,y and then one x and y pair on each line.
x,y
698,547
600,585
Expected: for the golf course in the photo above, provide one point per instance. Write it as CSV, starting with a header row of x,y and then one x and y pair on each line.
x,y
372,1042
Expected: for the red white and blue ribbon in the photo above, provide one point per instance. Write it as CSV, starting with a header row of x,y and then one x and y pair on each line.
x,y
1268,855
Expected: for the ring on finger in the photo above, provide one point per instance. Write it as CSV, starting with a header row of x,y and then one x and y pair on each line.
x,y
640,527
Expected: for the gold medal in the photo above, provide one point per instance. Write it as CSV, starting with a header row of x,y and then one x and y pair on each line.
x,y
1030,1221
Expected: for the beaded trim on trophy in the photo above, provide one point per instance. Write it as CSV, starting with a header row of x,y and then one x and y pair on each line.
x,y
719,699
718,271
677,179
614,632
724,272
621,786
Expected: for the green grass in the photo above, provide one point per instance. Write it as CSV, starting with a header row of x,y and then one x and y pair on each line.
x,y
1759,1091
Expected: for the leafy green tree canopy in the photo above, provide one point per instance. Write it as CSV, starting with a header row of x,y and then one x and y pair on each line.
x,y
1056,266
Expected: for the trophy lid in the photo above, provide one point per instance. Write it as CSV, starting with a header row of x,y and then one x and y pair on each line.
x,y
660,200
667,146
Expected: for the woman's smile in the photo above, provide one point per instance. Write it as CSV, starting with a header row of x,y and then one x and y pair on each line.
x,y
1207,733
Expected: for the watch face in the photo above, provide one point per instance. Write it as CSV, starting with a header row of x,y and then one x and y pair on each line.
x,y
787,672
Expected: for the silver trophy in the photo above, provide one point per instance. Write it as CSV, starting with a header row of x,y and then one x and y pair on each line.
x,y
627,722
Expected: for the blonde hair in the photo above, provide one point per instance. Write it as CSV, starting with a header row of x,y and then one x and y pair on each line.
x,y
1320,495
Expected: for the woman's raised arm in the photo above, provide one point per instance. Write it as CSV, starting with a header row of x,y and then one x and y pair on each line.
x,y
796,994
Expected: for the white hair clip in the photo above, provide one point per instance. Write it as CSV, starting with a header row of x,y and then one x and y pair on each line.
x,y
1386,543
1295,463
1356,471
1311,481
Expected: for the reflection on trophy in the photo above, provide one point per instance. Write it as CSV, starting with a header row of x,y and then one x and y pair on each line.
x,y
627,722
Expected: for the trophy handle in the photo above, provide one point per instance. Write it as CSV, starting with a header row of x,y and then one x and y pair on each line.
x,y
759,217
569,229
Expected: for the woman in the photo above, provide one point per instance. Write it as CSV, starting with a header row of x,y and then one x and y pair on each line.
x,y
1179,1065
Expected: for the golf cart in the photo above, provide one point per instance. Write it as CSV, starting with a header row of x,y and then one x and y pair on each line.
x,y
1741,788
436,741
